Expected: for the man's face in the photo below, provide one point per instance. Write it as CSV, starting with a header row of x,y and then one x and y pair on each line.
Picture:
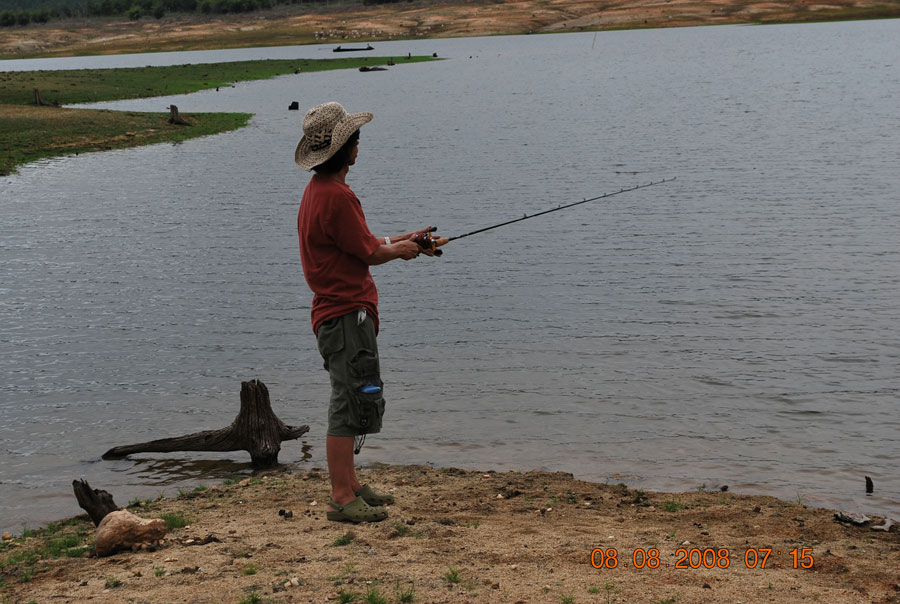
x,y
353,153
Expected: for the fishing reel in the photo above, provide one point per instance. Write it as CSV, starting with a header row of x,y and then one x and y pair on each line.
x,y
429,242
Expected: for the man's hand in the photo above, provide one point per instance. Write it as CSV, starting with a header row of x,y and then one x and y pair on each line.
x,y
428,242
406,249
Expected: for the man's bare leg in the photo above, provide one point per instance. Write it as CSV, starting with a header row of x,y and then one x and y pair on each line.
x,y
344,484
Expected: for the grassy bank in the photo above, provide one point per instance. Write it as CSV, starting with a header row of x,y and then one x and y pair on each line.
x,y
29,132
95,85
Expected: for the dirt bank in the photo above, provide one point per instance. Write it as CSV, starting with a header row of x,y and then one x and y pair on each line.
x,y
459,536
302,24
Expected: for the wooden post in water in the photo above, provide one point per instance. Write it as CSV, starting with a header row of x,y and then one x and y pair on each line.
x,y
256,429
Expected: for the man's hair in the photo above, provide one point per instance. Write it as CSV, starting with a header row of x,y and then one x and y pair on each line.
x,y
336,162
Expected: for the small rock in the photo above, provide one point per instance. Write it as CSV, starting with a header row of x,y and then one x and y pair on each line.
x,y
295,581
499,495
7,536
685,543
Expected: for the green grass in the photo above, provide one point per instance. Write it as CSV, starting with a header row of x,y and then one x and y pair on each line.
x,y
175,520
452,575
673,505
67,539
345,597
250,569
406,595
374,597
29,132
345,539
95,85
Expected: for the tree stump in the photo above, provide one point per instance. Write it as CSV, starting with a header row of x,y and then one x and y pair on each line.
x,y
40,102
256,429
95,502
174,118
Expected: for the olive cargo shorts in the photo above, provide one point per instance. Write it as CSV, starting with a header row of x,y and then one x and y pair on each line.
x,y
351,358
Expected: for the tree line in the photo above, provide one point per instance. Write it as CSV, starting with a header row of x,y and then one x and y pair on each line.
x,y
23,12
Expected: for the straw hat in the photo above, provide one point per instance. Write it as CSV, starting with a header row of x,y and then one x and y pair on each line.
x,y
326,128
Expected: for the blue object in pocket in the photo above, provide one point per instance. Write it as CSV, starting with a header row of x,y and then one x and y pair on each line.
x,y
370,389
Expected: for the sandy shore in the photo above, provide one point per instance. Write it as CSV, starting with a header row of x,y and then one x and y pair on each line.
x,y
303,24
459,536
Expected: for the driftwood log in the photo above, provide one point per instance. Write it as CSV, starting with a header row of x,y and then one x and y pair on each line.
x,y
256,429
174,118
95,502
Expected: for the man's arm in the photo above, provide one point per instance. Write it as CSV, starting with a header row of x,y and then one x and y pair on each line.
x,y
391,251
408,236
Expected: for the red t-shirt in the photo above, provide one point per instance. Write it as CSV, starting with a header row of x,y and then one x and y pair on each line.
x,y
334,241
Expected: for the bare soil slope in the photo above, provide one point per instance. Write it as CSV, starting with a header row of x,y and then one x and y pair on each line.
x,y
302,24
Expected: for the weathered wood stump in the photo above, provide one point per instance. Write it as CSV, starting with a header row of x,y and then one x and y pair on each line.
x,y
174,118
95,502
40,102
256,429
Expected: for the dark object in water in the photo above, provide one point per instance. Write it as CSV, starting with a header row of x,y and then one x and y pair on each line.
x,y
365,69
339,49
256,429
295,106
869,486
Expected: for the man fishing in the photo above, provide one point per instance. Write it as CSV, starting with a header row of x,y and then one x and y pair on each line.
x,y
336,251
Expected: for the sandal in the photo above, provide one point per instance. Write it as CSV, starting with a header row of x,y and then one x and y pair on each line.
x,y
372,497
356,511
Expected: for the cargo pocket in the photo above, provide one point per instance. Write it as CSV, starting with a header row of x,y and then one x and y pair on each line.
x,y
330,338
364,368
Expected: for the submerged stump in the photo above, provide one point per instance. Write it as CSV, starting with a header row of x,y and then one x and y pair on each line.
x,y
256,429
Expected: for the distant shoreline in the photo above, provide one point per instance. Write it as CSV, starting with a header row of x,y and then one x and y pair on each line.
x,y
355,22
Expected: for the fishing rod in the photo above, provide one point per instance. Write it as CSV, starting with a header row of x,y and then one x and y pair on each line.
x,y
427,241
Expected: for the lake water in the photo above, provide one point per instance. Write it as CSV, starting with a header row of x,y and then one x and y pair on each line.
x,y
738,326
